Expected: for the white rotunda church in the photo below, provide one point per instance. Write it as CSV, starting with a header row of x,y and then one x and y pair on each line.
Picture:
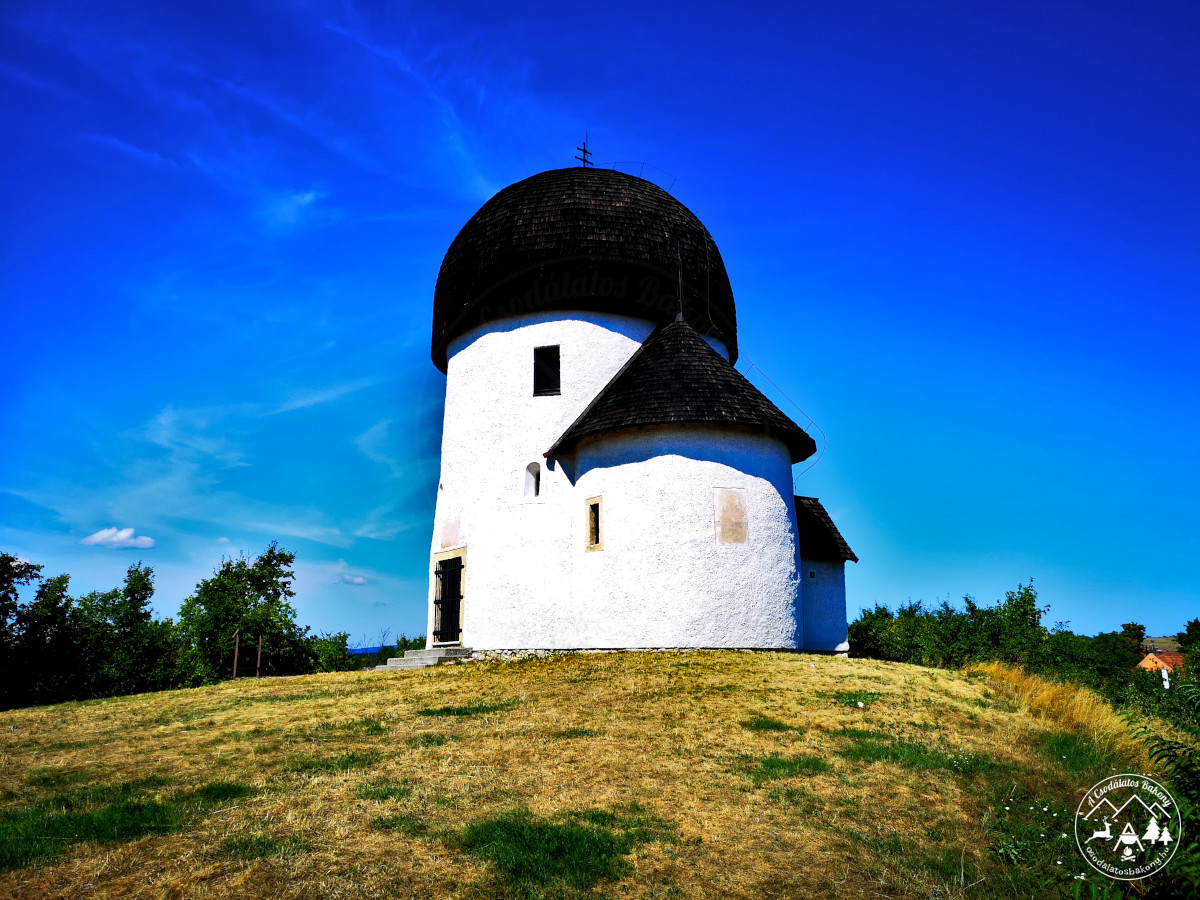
x,y
608,478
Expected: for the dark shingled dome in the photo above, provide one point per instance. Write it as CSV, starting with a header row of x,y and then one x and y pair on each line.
x,y
675,378
586,239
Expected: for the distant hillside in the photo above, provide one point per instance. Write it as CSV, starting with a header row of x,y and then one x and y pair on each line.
x,y
629,775
1168,644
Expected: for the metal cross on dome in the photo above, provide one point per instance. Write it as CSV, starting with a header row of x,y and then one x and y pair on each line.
x,y
586,153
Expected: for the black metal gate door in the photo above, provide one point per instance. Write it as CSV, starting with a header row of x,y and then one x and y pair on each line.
x,y
447,602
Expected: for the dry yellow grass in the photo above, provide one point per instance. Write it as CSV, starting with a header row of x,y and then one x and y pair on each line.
x,y
1070,706
665,733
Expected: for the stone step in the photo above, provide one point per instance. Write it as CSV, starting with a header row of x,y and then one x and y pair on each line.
x,y
446,652
420,659
398,663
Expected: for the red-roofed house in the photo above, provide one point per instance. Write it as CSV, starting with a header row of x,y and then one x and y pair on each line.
x,y
1162,660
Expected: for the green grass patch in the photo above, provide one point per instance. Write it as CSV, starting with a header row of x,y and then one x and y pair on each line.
x,y
920,757
382,789
55,778
850,698
306,765
571,851
260,846
773,767
471,709
42,833
568,733
766,723
401,823
1033,837
429,739
70,745
224,791
856,733
796,799
1073,752
889,844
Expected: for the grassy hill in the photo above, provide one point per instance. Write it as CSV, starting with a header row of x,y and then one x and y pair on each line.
x,y
707,774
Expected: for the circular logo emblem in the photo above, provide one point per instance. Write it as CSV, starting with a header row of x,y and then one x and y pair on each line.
x,y
1127,827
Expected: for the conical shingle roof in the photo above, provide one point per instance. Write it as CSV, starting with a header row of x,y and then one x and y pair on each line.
x,y
818,537
676,378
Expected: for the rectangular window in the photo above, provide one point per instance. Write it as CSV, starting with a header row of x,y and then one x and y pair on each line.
x,y
595,533
545,371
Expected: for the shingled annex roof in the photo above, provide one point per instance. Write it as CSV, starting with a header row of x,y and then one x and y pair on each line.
x,y
582,239
819,539
676,378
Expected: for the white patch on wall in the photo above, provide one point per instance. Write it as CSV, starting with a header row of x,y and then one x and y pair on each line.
x,y
450,533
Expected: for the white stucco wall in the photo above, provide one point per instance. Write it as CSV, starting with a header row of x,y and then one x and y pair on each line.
x,y
662,578
823,592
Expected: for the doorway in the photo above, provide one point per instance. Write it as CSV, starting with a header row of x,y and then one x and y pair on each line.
x,y
447,600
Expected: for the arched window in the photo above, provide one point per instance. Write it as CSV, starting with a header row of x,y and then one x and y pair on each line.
x,y
533,480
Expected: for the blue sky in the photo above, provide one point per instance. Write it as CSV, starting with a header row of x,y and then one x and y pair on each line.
x,y
963,238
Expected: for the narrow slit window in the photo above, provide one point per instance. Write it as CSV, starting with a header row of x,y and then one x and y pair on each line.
x,y
595,534
546,380
533,480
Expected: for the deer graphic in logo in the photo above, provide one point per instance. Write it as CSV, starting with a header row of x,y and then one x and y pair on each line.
x,y
1106,833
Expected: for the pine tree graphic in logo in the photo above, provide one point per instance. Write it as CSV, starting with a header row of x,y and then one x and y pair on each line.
x,y
1141,823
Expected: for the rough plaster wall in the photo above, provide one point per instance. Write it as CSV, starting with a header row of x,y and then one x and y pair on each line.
x,y
494,428
668,583
824,605
663,577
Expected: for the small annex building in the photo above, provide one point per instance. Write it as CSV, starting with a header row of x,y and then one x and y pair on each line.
x,y
608,478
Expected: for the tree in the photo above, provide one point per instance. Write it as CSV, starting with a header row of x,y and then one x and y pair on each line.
x,y
1152,831
251,596
48,653
1134,633
14,572
130,650
1190,637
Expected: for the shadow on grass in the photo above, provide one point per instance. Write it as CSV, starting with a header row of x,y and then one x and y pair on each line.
x,y
773,767
766,723
401,823
308,765
568,733
382,789
45,830
471,709
260,846
566,854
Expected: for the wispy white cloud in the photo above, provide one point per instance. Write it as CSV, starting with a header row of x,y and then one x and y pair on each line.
x,y
374,444
188,429
382,523
347,578
291,208
129,149
455,132
303,399
29,80
117,538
